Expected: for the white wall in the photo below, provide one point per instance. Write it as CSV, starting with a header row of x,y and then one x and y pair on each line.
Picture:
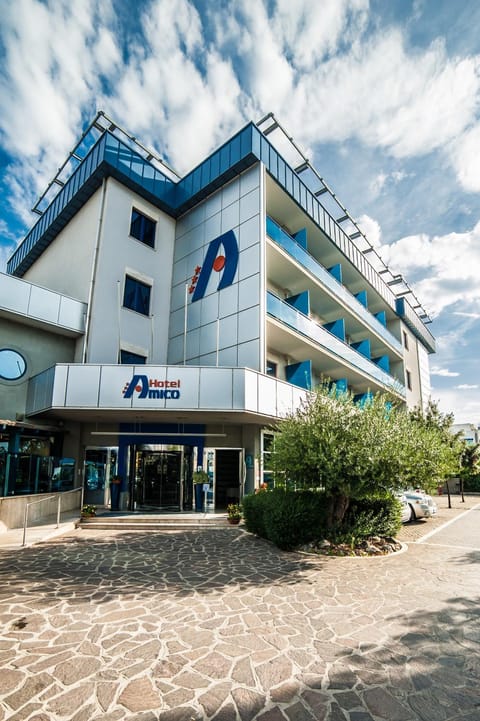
x,y
224,326
65,266
120,254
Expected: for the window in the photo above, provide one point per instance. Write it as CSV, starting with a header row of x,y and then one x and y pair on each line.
x,y
405,340
271,369
136,295
128,358
143,228
408,377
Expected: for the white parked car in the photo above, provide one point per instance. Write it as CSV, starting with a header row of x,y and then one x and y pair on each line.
x,y
406,510
421,504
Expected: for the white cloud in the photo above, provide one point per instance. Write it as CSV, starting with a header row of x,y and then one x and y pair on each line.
x,y
409,104
444,372
371,228
464,155
447,265
312,31
465,407
466,386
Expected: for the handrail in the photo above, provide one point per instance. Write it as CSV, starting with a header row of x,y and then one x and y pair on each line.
x,y
48,498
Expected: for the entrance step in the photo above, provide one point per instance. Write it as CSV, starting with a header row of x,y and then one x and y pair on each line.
x,y
154,522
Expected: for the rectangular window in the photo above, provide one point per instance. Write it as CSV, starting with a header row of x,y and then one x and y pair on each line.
x,y
405,340
136,296
143,228
408,377
128,358
271,369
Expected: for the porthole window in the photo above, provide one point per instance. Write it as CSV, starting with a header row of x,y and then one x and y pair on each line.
x,y
12,364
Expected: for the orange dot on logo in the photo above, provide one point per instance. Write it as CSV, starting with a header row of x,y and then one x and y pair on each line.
x,y
138,388
218,263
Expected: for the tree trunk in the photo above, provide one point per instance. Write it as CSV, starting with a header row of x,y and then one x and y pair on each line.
x,y
448,493
337,507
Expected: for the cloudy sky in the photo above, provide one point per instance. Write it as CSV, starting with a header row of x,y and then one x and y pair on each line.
x,y
382,95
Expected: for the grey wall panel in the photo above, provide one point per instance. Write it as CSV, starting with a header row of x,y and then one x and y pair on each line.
x,y
249,205
249,262
228,356
248,324
249,355
249,293
82,386
231,217
216,388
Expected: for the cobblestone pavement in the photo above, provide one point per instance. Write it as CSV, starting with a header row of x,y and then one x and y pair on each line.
x,y
221,625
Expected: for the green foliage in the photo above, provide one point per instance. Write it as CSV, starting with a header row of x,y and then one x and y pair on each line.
x,y
290,519
375,517
353,453
234,510
472,484
287,518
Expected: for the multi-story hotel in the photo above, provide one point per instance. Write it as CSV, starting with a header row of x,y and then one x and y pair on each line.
x,y
152,324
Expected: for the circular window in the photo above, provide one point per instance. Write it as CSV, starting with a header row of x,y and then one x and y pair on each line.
x,y
12,364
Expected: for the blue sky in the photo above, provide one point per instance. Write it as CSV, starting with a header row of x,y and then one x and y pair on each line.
x,y
383,97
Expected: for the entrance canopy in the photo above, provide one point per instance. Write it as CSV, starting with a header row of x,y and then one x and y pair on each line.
x,y
114,393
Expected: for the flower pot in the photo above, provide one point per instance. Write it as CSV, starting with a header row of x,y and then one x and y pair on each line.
x,y
233,521
199,496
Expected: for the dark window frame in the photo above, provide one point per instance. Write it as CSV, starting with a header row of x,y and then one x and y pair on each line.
x,y
271,369
143,228
408,378
129,358
136,295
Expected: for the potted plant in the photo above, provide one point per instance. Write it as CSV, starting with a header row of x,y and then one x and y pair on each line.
x,y
234,513
200,478
88,511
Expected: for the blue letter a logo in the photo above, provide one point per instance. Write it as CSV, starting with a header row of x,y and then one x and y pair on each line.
x,y
213,261
139,384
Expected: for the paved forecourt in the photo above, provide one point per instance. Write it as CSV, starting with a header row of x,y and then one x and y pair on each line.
x,y
221,625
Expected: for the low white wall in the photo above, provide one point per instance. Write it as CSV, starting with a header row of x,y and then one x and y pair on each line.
x,y
12,508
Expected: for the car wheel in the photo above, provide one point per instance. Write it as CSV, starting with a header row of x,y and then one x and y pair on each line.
x,y
413,516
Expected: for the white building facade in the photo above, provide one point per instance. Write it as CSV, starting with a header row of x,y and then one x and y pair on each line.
x,y
197,312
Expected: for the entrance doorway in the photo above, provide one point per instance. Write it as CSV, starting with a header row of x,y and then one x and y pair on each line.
x,y
158,480
228,475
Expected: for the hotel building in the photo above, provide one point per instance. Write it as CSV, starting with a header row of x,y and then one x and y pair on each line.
x,y
153,324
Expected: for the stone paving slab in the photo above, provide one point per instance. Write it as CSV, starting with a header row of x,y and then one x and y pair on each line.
x,y
219,625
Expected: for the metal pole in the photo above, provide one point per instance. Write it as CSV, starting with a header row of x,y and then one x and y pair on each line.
x,y
185,326
59,500
25,521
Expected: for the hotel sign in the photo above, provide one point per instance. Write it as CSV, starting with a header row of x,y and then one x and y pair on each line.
x,y
145,387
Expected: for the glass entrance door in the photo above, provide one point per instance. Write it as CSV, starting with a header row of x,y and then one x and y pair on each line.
x,y
158,480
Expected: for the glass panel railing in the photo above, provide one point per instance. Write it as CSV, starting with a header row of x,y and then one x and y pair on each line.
x,y
311,330
279,236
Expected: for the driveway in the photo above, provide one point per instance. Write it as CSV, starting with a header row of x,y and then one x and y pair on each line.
x,y
221,625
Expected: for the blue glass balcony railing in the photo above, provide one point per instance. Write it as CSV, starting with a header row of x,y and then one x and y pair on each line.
x,y
284,312
296,251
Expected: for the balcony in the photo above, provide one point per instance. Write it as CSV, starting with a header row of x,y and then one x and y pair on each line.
x,y
350,305
329,354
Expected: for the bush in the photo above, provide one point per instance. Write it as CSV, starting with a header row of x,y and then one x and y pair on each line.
x,y
287,518
371,517
472,484
293,518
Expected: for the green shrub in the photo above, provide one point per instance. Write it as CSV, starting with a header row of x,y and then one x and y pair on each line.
x,y
472,484
287,518
293,518
371,517
255,507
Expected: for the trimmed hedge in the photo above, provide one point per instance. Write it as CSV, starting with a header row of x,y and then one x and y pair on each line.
x,y
293,518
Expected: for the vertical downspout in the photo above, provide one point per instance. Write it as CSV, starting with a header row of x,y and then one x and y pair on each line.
x,y
94,272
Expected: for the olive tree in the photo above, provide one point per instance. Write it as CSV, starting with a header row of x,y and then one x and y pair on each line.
x,y
353,452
